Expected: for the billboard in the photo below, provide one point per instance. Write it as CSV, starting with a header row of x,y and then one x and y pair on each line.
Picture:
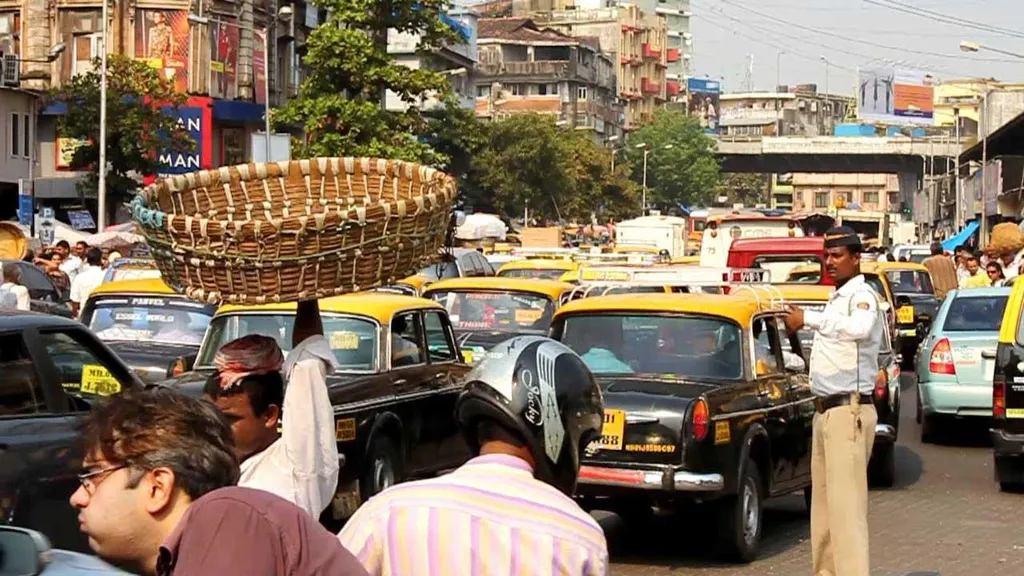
x,y
259,67
224,63
702,98
195,117
161,39
895,96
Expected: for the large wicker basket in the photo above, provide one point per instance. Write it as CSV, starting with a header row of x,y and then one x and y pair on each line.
x,y
293,231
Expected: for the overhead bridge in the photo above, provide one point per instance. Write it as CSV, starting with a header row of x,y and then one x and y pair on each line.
x,y
863,154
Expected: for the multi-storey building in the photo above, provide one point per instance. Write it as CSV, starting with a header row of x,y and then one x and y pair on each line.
x,y
457,60
802,112
679,40
524,68
636,41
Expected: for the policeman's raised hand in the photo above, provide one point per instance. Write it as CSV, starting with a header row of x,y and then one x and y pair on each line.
x,y
794,319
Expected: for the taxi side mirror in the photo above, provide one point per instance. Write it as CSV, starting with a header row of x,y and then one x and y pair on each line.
x,y
21,551
180,365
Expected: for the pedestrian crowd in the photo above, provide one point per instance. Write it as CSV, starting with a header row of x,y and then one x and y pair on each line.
x,y
75,271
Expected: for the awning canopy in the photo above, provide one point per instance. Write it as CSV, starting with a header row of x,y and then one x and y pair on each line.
x,y
950,244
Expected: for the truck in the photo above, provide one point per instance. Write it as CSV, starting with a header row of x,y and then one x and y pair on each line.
x,y
668,233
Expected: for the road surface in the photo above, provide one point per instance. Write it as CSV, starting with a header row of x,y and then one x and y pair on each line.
x,y
945,516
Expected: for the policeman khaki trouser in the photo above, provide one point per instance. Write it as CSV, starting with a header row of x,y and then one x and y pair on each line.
x,y
843,438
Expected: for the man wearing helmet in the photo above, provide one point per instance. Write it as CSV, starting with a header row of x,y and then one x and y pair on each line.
x,y
527,411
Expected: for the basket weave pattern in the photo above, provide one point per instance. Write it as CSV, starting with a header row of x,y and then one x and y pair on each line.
x,y
297,230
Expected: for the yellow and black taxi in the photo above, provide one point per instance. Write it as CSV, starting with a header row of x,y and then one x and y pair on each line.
x,y
393,394
886,395
667,279
1008,394
540,268
147,324
916,304
486,311
706,400
53,370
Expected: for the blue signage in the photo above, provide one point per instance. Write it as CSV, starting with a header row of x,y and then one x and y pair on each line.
x,y
26,209
189,119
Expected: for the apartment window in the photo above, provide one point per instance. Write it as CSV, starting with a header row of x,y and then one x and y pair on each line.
x,y
581,93
15,134
821,199
517,89
871,197
482,91
846,196
26,133
85,48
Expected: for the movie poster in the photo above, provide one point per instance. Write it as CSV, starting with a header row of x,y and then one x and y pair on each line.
x,y
259,68
703,102
224,64
161,39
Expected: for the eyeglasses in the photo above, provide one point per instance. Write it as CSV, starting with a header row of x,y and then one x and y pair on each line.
x,y
88,482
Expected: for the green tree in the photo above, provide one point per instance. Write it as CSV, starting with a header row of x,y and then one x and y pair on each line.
x,y
137,128
681,163
458,136
340,102
746,189
557,173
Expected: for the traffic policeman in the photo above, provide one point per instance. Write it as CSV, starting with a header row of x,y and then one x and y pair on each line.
x,y
844,361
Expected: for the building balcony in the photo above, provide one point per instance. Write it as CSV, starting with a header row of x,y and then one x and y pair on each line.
x,y
543,69
650,53
672,55
648,86
672,88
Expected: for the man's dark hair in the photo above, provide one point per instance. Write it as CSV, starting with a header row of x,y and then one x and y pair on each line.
x,y
12,273
82,243
64,244
491,431
936,249
962,248
973,256
977,255
94,257
162,428
264,390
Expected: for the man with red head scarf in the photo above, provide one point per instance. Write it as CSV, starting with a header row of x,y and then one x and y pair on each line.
x,y
301,463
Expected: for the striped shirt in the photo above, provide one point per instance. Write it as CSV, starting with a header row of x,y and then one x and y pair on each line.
x,y
490,517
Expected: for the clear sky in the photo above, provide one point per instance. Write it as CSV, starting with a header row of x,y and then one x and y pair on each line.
x,y
852,34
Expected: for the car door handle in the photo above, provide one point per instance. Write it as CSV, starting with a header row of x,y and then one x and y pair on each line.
x,y
400,381
988,354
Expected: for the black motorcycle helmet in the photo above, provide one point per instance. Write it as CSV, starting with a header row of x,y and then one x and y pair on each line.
x,y
541,391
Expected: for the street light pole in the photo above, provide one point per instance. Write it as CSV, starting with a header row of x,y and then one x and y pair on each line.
x,y
643,200
101,184
266,89
778,70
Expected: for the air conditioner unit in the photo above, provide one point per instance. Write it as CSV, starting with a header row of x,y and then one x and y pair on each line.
x,y
10,70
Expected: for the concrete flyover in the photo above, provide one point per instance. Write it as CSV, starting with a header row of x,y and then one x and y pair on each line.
x,y
834,154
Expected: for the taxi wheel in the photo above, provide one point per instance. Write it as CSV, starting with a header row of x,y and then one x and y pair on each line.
x,y
740,517
382,468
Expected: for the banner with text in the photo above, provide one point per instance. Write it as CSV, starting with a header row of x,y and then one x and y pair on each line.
x,y
703,96
895,96
195,117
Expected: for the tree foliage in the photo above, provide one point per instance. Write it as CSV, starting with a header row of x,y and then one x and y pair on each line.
x,y
137,128
559,174
746,189
681,163
339,103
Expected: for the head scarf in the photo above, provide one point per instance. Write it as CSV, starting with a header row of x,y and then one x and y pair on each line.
x,y
247,356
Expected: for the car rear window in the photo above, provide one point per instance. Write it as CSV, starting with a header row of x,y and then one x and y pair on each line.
x,y
975,314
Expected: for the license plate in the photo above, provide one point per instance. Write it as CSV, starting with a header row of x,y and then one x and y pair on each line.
x,y
98,381
1015,412
612,431
909,333
905,315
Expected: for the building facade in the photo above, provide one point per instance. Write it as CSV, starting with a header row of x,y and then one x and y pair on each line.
x,y
457,60
802,112
524,68
636,42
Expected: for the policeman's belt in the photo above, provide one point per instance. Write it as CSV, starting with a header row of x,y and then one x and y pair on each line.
x,y
826,403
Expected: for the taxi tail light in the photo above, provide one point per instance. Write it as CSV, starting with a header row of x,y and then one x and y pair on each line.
x,y
941,360
881,384
998,395
700,420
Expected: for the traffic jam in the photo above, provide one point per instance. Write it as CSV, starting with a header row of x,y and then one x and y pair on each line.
x,y
681,321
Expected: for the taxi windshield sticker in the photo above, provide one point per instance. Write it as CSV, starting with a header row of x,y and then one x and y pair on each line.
x,y
528,316
97,380
344,341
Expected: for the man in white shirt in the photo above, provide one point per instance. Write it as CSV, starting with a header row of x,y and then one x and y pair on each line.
x,y
87,279
301,464
73,262
13,296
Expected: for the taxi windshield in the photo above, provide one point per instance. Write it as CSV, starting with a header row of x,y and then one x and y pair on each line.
x,y
677,346
159,319
352,340
910,282
500,311
533,273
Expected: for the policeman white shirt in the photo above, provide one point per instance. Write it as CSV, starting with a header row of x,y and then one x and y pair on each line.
x,y
85,282
847,338
302,465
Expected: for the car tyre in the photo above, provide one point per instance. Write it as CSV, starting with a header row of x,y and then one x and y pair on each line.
x,y
383,467
740,517
928,431
882,468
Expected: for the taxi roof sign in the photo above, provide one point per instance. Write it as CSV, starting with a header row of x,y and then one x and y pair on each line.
x,y
674,276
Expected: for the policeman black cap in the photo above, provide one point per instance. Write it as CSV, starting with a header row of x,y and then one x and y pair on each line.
x,y
842,236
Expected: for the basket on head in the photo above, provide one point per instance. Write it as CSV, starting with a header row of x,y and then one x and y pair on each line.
x,y
297,230
1006,239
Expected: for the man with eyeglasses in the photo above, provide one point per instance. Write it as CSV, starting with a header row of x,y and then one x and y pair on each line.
x,y
157,497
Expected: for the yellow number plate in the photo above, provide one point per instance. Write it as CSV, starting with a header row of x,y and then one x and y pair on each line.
x,y
1015,413
97,380
528,316
905,315
613,430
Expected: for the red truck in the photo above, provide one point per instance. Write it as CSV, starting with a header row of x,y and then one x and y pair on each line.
x,y
793,259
